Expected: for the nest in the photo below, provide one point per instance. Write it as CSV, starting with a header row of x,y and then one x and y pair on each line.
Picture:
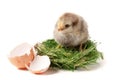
x,y
69,58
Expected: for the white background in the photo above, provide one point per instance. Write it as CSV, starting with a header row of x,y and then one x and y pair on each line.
x,y
33,21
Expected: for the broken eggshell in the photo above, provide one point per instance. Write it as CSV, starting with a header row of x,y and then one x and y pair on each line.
x,y
39,65
22,55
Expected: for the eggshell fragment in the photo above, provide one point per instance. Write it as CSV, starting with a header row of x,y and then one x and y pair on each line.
x,y
40,64
22,55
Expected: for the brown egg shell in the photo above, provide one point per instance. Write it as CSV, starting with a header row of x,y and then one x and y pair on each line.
x,y
39,71
21,61
39,65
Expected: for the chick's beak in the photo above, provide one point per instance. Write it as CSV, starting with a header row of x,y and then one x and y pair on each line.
x,y
60,26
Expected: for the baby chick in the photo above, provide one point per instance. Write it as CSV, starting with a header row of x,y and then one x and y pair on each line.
x,y
71,30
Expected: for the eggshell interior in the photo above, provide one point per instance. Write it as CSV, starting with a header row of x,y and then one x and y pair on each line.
x,y
40,64
21,55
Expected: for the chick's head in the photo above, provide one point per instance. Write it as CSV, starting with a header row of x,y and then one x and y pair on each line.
x,y
67,21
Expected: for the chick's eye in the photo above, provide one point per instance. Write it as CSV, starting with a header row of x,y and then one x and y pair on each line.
x,y
67,25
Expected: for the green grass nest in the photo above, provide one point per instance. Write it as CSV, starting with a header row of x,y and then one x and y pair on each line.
x,y
69,58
